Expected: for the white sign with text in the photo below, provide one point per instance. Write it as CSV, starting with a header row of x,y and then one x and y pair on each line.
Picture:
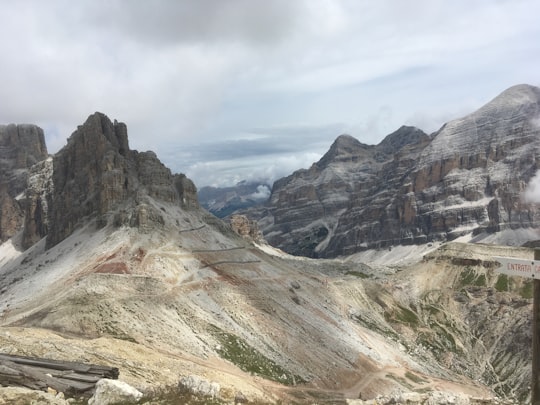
x,y
518,267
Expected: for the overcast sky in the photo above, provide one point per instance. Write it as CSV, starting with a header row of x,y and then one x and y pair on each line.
x,y
227,90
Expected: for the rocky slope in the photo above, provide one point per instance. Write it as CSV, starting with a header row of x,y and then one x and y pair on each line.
x,y
127,270
413,188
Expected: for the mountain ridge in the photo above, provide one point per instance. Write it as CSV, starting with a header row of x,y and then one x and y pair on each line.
x,y
413,188
140,277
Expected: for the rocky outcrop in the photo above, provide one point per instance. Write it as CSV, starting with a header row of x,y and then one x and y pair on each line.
x,y
114,392
246,228
413,188
97,175
21,146
200,386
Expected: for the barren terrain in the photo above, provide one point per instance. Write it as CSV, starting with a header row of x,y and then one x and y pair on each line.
x,y
195,298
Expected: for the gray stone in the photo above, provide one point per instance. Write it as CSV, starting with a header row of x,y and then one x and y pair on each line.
x,y
114,391
200,386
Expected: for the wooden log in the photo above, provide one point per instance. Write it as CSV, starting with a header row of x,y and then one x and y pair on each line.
x,y
71,378
103,371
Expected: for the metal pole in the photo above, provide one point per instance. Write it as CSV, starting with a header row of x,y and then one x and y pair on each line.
x,y
535,395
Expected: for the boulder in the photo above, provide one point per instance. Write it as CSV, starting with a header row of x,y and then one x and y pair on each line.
x,y
200,386
114,391
25,396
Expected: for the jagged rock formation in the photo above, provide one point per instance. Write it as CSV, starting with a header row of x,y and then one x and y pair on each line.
x,y
246,228
21,146
95,175
413,188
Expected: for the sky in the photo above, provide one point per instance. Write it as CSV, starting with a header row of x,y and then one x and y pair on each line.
x,y
231,90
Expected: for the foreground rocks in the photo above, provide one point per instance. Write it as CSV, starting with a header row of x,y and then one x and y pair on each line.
x,y
430,398
113,392
25,396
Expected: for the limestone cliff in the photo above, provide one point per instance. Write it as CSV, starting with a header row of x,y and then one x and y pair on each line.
x,y
97,175
413,188
21,146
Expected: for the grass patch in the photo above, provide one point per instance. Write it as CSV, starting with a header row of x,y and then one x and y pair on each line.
x,y
502,283
415,378
357,274
527,290
375,327
400,380
469,277
402,315
240,353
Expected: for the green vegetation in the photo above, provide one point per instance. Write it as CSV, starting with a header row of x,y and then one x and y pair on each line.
x,y
239,352
415,378
502,283
357,274
402,315
470,277
400,380
374,326
527,290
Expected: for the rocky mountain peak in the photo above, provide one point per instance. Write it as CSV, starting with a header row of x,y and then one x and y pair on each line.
x,y
97,125
96,175
21,146
413,188
404,136
345,148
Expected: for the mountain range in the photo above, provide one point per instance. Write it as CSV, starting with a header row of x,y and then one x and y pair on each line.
x,y
467,178
108,258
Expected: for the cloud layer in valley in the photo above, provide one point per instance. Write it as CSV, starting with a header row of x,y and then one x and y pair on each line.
x,y
231,90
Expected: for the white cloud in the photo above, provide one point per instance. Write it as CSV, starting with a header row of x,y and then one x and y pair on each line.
x,y
262,193
194,72
532,192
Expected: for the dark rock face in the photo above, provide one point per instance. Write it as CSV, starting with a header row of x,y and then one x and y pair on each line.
x,y
21,146
412,188
96,174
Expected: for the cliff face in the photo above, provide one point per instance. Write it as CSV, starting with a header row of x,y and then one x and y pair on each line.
x,y
412,188
21,146
95,175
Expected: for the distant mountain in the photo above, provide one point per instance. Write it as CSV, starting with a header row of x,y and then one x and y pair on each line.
x,y
413,188
21,147
223,201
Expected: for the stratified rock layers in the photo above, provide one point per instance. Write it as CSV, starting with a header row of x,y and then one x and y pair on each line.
x,y
21,146
96,174
413,188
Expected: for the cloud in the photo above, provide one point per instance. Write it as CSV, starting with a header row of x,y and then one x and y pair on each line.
x,y
263,193
263,169
235,83
532,191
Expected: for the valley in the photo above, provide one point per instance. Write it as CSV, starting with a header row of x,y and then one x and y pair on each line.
x,y
392,296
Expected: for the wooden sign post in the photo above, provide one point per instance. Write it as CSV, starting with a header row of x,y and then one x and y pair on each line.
x,y
530,269
536,339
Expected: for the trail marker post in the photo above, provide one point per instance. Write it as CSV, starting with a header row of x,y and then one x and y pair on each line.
x,y
530,269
